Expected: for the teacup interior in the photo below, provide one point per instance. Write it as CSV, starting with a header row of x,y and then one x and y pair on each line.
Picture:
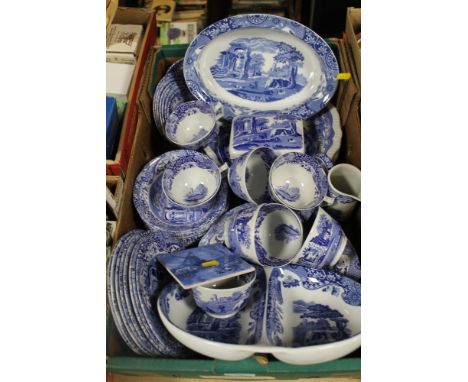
x,y
256,175
232,282
294,185
281,234
194,127
346,179
194,185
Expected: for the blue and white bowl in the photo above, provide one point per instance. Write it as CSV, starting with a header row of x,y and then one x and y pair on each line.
x,y
298,181
324,244
192,125
191,180
248,175
268,235
224,298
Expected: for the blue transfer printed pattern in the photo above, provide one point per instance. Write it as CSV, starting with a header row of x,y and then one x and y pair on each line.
x,y
336,284
146,279
202,136
260,251
348,264
323,246
257,307
231,236
222,305
170,92
311,165
274,319
289,193
186,265
240,65
277,132
112,290
196,194
235,178
226,330
320,325
242,70
286,232
157,211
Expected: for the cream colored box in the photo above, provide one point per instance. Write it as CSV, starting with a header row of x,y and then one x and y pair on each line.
x,y
118,78
124,38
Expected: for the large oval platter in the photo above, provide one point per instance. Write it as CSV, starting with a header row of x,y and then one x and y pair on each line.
x,y
261,63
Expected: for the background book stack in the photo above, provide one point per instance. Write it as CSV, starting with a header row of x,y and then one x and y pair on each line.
x,y
179,21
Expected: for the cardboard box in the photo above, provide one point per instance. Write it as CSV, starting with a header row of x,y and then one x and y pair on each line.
x,y
353,29
120,360
119,164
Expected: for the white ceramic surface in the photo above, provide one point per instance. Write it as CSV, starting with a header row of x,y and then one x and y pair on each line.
x,y
298,181
344,190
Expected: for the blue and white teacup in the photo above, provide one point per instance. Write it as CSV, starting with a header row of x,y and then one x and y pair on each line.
x,y
192,125
269,234
248,175
298,181
192,180
224,298
324,244
344,191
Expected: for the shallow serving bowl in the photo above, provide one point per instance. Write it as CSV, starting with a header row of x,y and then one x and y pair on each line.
x,y
311,316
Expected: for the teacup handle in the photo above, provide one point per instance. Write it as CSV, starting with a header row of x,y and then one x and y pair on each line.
x,y
324,160
223,169
209,151
327,201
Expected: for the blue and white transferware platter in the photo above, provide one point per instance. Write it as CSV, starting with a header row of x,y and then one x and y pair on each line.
x,y
304,316
261,63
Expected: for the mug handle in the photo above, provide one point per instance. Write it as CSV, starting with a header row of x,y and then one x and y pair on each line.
x,y
324,161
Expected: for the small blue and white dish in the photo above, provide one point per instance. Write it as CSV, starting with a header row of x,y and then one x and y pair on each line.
x,y
269,234
192,125
324,243
281,133
298,181
248,175
323,133
304,316
191,180
226,297
202,265
261,63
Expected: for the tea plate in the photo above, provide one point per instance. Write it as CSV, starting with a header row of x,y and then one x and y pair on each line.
x,y
311,316
261,63
146,279
112,291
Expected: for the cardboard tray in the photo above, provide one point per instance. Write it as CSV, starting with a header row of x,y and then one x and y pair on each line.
x,y
119,165
353,26
120,359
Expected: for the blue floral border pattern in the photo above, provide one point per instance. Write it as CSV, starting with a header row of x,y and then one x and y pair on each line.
x,y
337,285
305,110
